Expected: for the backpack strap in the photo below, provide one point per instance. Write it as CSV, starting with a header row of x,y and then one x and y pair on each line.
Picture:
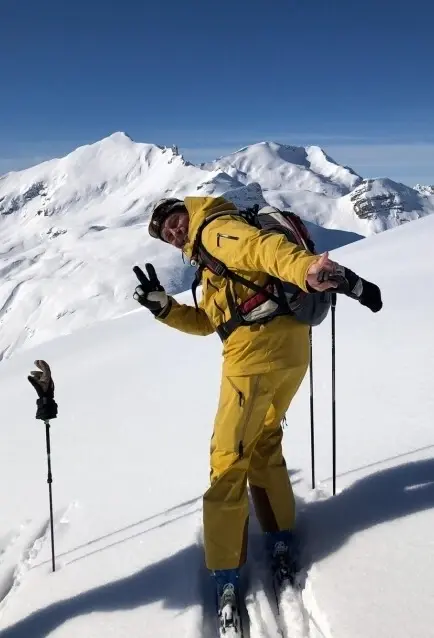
x,y
204,259
196,281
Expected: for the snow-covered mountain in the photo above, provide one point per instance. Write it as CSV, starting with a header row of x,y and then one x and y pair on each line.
x,y
129,453
424,190
72,228
280,167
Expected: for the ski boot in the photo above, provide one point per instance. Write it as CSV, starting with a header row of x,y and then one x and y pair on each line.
x,y
284,565
228,605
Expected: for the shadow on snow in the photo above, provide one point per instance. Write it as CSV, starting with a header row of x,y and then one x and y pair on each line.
x,y
325,526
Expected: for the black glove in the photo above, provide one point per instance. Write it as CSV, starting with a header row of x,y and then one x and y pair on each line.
x,y
350,284
44,386
151,293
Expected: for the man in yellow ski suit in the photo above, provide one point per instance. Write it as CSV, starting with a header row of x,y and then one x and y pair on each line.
x,y
263,367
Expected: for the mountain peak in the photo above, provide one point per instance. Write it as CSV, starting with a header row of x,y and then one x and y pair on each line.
x,y
78,224
119,137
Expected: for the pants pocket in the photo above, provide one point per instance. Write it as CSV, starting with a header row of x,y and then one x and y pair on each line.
x,y
239,393
234,416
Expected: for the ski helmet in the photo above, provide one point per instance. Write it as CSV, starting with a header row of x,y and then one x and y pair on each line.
x,y
161,212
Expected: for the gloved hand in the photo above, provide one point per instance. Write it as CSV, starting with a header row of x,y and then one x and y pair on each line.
x,y
44,386
325,274
350,284
150,293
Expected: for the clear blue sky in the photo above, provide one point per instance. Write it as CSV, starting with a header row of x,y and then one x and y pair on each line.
x,y
356,78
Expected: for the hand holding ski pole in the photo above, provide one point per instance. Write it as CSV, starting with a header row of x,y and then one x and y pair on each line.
x,y
43,383
322,265
150,293
326,274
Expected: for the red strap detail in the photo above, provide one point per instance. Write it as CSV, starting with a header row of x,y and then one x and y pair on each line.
x,y
256,300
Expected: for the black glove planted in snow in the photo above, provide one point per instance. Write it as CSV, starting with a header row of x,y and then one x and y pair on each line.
x,y
43,383
150,293
350,284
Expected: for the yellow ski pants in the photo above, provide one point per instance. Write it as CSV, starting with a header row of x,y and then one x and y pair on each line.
x,y
246,445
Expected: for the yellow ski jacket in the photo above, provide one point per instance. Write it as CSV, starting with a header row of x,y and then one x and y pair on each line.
x,y
254,254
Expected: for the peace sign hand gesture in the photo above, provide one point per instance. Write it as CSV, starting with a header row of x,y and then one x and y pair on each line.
x,y
150,293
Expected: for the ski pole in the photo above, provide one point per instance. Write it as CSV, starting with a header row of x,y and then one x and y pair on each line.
x,y
43,383
333,307
50,492
312,419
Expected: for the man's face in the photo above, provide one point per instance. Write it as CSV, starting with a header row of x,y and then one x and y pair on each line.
x,y
175,229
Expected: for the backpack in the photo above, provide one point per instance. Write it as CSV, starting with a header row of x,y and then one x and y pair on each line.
x,y
276,297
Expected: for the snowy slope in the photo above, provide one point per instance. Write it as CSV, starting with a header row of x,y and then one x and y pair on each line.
x,y
130,461
72,228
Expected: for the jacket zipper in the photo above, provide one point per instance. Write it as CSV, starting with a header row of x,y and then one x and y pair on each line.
x,y
219,235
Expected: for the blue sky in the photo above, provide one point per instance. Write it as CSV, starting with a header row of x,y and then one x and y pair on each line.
x,y
356,78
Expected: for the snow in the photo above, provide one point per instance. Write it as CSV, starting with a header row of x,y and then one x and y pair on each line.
x,y
277,165
72,228
130,462
424,190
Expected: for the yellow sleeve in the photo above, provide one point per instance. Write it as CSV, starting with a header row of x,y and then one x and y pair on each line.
x,y
187,319
241,246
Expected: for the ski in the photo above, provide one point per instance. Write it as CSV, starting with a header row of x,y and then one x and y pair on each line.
x,y
283,570
284,579
291,614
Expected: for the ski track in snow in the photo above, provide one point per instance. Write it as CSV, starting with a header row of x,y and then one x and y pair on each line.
x,y
296,616
8,541
153,522
318,624
267,618
19,551
264,622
